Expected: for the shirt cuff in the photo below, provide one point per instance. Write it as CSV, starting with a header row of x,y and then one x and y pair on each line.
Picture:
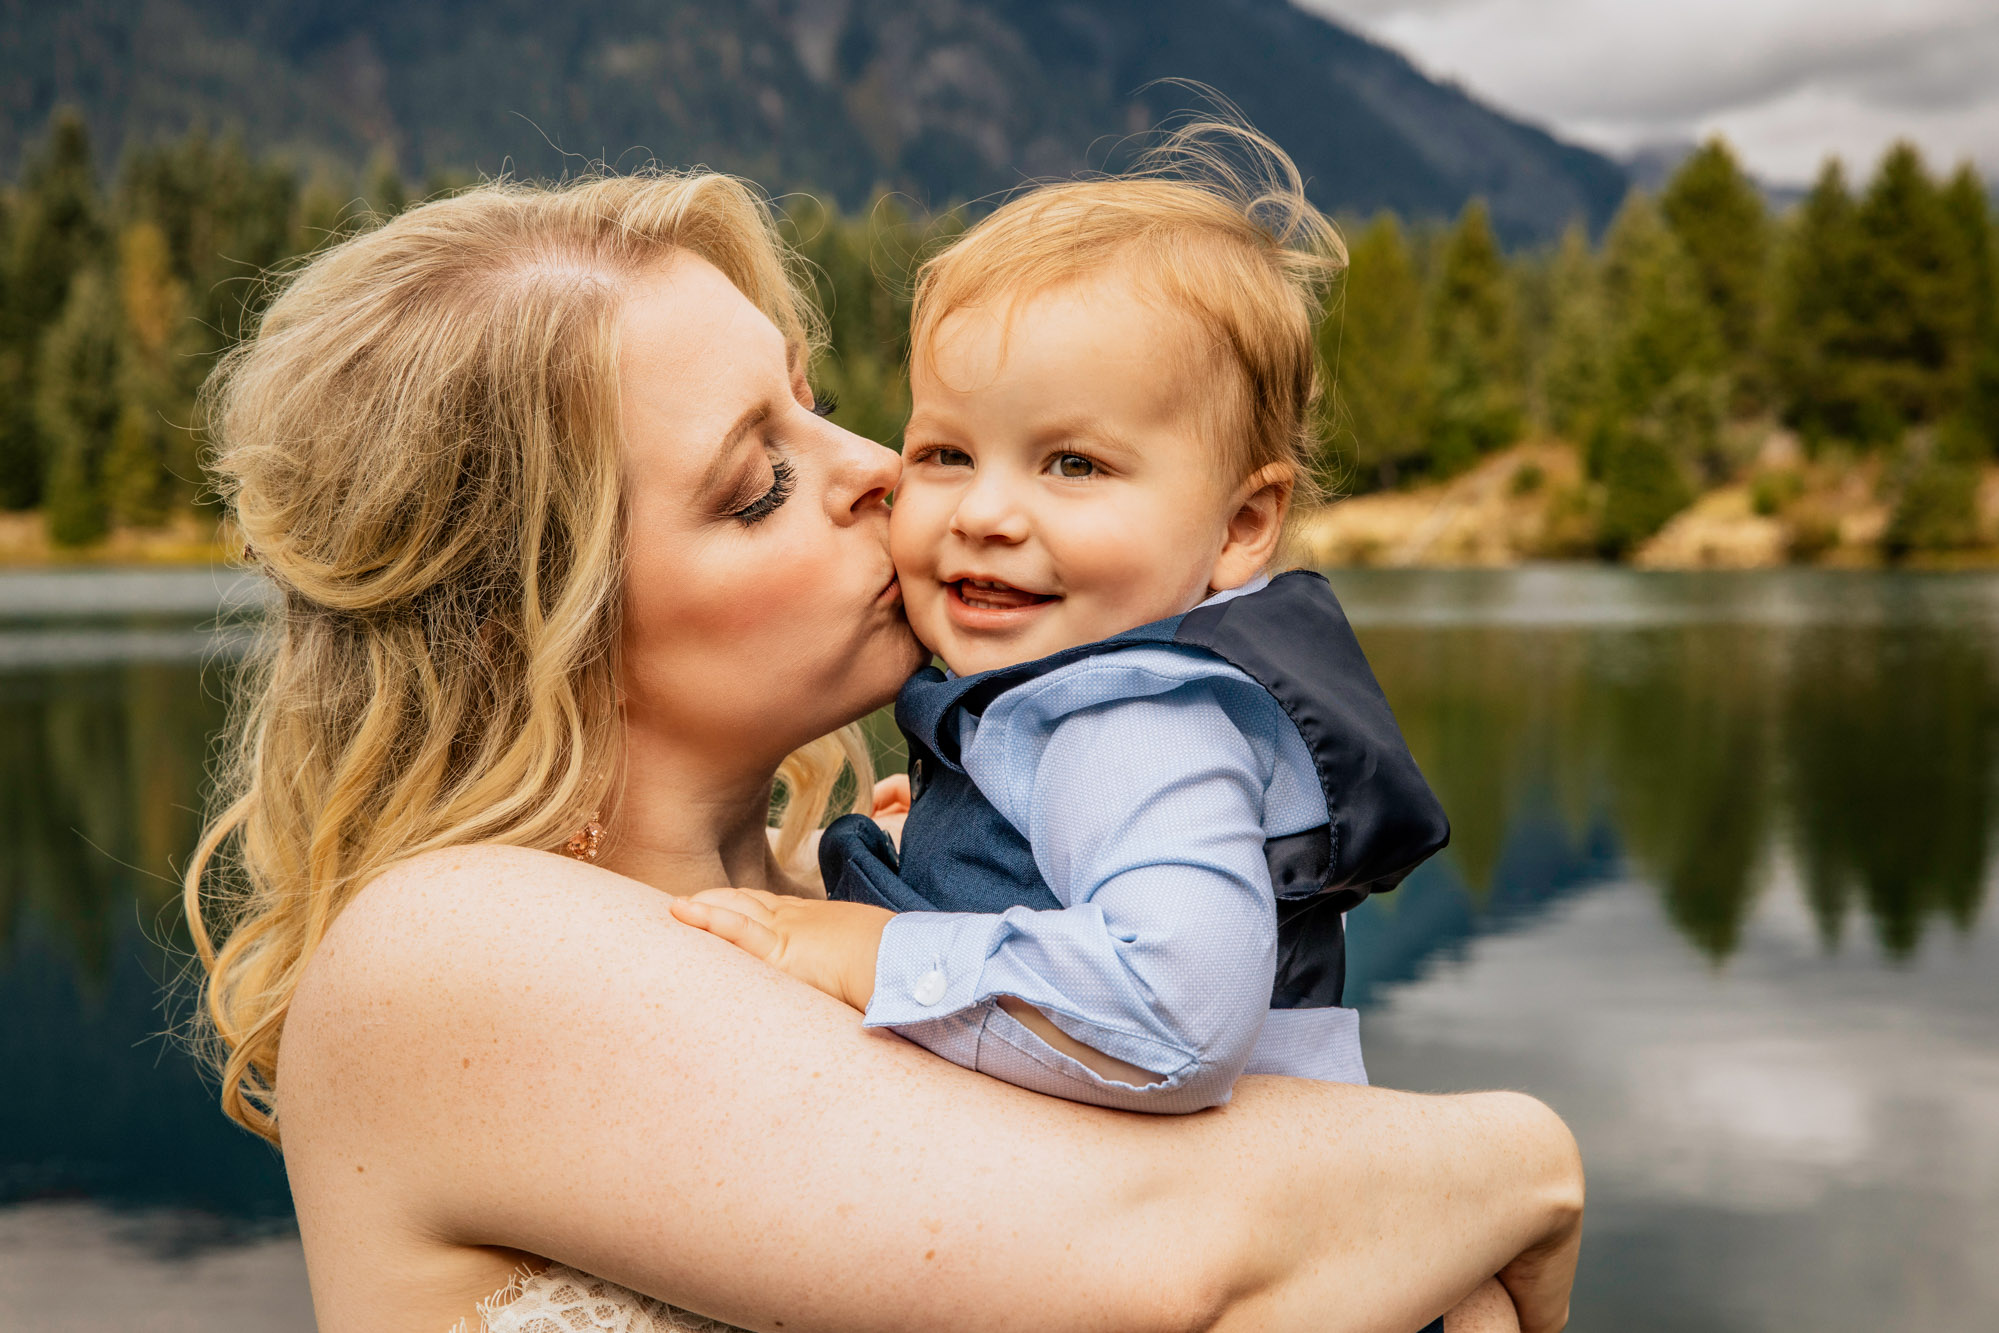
x,y
929,966
932,985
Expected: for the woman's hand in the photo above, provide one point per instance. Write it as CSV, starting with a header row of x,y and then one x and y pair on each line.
x,y
1487,1310
1539,1281
830,946
1541,1277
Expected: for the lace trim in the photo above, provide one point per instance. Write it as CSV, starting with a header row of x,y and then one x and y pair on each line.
x,y
558,1299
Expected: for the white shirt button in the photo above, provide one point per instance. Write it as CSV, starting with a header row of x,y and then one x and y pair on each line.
x,y
929,988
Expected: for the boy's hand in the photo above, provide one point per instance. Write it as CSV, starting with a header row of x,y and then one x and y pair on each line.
x,y
892,802
827,945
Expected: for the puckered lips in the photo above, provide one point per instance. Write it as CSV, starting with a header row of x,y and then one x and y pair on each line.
x,y
992,604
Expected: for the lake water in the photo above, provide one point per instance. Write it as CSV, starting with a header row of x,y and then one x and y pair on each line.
x,y
1717,891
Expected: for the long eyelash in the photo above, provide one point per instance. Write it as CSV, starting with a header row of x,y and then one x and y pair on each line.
x,y
783,479
826,405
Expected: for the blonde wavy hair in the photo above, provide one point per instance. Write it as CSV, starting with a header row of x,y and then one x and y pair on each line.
x,y
420,447
1212,221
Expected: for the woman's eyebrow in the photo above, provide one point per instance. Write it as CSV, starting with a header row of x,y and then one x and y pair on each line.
x,y
725,452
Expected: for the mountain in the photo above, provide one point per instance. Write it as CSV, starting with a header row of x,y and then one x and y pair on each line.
x,y
943,99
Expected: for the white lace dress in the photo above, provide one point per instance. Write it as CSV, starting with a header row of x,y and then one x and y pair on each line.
x,y
561,1300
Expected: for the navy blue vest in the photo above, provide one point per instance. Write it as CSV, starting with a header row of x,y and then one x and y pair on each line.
x,y
960,854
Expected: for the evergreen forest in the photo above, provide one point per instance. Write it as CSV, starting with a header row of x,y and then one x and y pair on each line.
x,y
1862,325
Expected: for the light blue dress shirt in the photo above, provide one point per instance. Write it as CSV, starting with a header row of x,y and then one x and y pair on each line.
x,y
1146,782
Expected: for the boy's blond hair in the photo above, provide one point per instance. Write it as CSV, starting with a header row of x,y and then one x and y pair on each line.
x,y
1211,222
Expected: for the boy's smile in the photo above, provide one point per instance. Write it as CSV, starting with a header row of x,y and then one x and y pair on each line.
x,y
1061,480
980,604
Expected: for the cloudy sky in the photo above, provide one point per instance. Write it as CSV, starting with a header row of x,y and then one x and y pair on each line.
x,y
1787,81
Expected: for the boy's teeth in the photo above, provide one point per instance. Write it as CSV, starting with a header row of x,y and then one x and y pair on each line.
x,y
992,595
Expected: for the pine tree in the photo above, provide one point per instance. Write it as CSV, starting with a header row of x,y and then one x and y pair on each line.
x,y
1664,382
151,464
1375,347
1476,400
1719,218
1970,213
58,229
1572,373
77,408
227,220
1815,329
20,463
1973,433
326,213
1664,333
863,270
1917,307
387,195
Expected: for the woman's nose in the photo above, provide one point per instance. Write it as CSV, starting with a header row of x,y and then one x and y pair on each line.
x,y
863,476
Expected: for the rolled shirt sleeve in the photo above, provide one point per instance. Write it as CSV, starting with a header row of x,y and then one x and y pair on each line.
x,y
1146,818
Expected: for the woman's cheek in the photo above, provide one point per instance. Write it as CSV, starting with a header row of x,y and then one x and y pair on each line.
x,y
726,596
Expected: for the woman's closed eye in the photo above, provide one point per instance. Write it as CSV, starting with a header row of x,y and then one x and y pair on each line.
x,y
783,480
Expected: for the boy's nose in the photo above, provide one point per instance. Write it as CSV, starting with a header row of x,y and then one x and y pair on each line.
x,y
989,510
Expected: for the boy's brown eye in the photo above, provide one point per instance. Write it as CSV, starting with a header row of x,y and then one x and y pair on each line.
x,y
1074,466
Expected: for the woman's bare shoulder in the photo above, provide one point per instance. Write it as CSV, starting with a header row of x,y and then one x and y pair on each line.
x,y
456,877
428,1082
454,939
455,881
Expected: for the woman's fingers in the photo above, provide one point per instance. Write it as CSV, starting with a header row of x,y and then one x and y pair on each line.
x,y
1540,1280
1487,1310
752,937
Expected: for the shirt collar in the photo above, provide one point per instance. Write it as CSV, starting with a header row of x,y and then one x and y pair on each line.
x,y
1257,584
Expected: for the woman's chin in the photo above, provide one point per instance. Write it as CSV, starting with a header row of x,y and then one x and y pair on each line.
x,y
912,657
871,675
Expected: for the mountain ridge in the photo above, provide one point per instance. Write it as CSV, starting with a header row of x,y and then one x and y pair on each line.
x,y
945,101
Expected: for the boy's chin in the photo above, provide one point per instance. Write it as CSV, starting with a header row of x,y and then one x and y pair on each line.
x,y
968,655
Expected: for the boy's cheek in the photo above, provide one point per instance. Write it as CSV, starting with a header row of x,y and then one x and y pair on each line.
x,y
912,531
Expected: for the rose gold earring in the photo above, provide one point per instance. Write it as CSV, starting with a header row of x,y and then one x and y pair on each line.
x,y
586,842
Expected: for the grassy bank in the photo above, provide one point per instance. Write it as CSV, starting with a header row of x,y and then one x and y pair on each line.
x,y
1535,501
187,539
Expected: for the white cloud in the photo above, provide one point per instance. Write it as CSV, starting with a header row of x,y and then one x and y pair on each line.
x,y
1787,81
1742,1124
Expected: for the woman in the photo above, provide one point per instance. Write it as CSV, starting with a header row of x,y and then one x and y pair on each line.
x,y
569,561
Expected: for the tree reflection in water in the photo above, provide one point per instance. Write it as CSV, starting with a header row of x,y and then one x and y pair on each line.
x,y
1862,752
101,774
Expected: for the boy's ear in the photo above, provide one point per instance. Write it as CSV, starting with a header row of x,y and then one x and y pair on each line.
x,y
1255,525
